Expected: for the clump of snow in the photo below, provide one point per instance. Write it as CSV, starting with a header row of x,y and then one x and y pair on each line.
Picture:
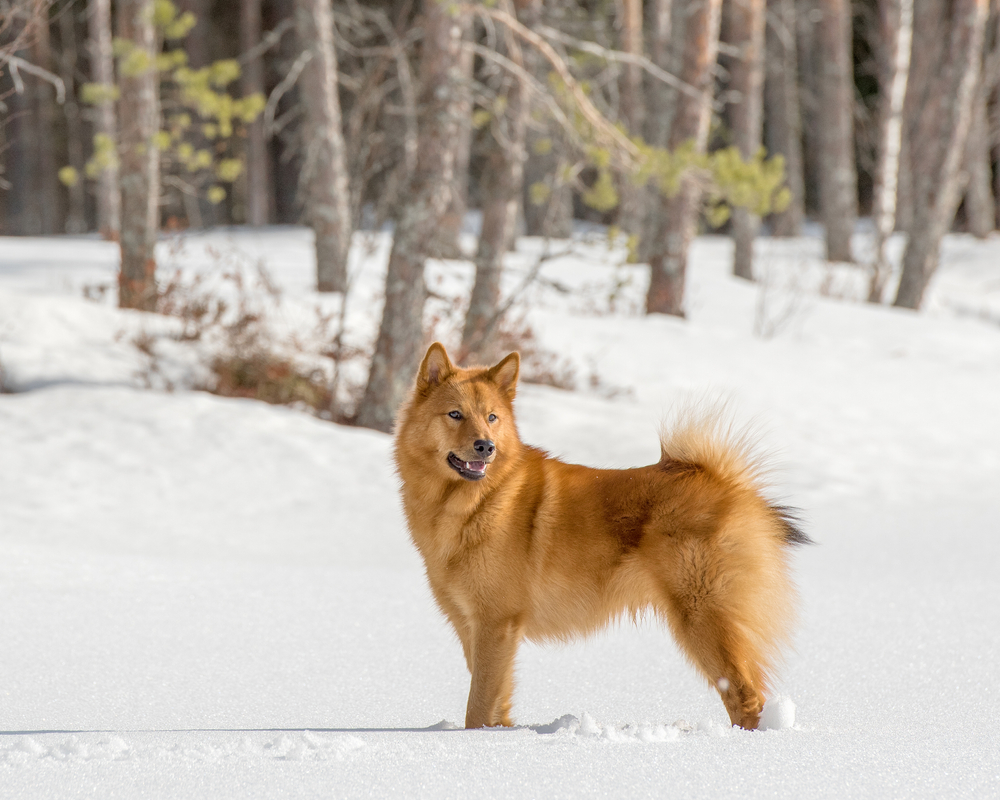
x,y
778,714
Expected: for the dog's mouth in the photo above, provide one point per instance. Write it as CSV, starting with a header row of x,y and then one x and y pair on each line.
x,y
470,470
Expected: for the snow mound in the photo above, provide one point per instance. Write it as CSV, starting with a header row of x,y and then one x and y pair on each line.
x,y
29,749
585,726
309,746
778,714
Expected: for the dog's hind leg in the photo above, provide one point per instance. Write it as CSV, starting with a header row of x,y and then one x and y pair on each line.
x,y
493,650
729,662
729,614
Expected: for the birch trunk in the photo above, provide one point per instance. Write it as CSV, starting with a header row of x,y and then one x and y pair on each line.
x,y
938,145
258,172
746,23
679,214
400,341
324,172
783,115
896,24
503,185
838,173
139,175
102,71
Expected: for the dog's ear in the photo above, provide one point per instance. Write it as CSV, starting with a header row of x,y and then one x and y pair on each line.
x,y
504,374
436,367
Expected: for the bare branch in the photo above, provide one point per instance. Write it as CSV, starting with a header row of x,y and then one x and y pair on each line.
x,y
16,63
621,145
279,91
617,55
267,41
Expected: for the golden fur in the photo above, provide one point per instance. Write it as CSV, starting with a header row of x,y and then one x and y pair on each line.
x,y
539,549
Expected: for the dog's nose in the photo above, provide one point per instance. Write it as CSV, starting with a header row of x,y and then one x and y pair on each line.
x,y
484,447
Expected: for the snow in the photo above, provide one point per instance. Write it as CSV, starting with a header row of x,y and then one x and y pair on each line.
x,y
207,597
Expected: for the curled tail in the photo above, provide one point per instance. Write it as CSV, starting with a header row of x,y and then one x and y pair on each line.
x,y
708,440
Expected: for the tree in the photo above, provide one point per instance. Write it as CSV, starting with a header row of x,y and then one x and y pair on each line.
x,y
668,262
943,107
783,129
324,171
258,173
400,344
139,176
896,26
746,28
632,110
548,196
102,71
838,174
979,204
504,175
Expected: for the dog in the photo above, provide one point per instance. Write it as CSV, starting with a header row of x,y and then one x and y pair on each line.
x,y
520,545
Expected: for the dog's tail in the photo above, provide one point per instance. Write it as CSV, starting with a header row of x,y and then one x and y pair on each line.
x,y
709,440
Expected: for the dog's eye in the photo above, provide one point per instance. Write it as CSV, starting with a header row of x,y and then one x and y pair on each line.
x,y
455,414
492,418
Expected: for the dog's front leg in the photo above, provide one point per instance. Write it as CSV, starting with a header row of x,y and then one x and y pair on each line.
x,y
493,652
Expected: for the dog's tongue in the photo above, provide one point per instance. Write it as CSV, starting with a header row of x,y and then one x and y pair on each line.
x,y
475,466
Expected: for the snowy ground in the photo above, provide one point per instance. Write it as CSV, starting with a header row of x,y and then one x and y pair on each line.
x,y
206,597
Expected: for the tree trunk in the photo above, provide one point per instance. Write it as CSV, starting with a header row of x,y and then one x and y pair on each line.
x,y
660,107
76,220
548,198
324,173
632,111
102,71
197,45
980,210
746,27
810,64
896,26
258,172
938,144
503,184
838,172
400,340
781,100
139,175
668,263
449,245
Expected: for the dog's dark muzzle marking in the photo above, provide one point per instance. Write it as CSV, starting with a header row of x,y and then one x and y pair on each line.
x,y
470,470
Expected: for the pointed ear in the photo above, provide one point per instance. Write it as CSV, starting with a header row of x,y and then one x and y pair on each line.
x,y
435,368
504,374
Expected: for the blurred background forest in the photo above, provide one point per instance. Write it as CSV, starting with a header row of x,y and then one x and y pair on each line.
x,y
658,118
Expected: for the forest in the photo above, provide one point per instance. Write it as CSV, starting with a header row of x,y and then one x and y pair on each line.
x,y
660,120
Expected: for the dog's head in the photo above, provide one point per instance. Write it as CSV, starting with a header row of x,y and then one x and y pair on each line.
x,y
461,421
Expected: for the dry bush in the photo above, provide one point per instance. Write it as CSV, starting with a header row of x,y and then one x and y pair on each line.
x,y
228,323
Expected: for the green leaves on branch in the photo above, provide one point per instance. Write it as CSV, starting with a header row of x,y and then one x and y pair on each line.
x,y
197,106
726,178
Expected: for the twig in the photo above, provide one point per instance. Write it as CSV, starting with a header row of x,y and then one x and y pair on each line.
x,y
622,146
267,41
17,63
279,91
618,55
